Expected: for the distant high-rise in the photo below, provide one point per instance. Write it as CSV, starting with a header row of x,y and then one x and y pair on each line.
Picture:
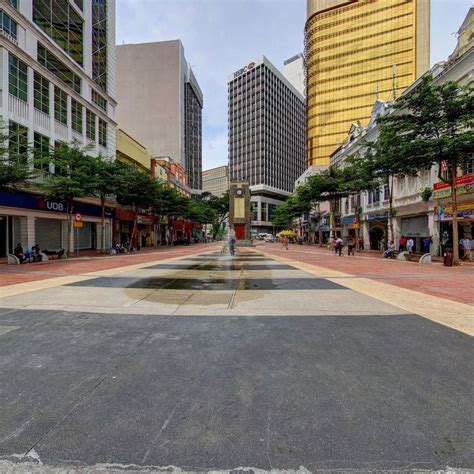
x,y
358,51
216,180
293,70
266,136
160,103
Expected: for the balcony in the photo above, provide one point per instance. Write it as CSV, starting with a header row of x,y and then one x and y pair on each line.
x,y
60,130
17,107
41,120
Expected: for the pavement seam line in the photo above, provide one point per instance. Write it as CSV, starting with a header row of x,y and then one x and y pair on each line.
x,y
20,288
458,316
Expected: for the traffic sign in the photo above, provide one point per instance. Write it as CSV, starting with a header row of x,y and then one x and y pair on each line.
x,y
78,217
77,224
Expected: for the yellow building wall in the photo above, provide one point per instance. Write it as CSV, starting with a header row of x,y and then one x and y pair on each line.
x,y
351,47
132,152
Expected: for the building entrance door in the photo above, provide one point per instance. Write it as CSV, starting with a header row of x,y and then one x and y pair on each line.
x,y
3,236
239,231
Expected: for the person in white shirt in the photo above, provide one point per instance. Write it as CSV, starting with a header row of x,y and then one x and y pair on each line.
x,y
410,245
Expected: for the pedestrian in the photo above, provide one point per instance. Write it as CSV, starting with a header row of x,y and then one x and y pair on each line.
x,y
361,243
402,243
410,245
427,241
382,245
285,241
339,246
19,253
350,245
465,244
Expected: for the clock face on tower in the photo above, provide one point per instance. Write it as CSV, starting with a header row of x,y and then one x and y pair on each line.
x,y
239,192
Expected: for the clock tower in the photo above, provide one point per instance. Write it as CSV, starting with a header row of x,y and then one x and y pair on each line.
x,y
239,212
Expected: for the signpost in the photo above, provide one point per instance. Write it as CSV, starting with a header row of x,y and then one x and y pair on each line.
x,y
77,224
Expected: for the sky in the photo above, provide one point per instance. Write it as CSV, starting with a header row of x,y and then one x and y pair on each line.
x,y
221,36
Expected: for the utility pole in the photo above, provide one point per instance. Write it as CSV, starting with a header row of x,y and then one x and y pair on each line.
x,y
394,83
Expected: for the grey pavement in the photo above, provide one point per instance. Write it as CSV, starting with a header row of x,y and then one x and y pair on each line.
x,y
138,377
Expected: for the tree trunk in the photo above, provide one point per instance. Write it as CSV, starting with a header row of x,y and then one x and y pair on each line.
x,y
134,229
69,229
102,224
390,209
455,213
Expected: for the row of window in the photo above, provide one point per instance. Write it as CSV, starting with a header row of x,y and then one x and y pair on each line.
x,y
8,25
60,21
18,144
18,87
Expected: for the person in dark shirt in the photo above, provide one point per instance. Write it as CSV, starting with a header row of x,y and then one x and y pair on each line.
x,y
19,253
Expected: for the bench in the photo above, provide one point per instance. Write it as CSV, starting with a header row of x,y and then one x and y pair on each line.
x,y
422,258
13,259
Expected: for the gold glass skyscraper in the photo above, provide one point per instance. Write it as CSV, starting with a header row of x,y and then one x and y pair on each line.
x,y
358,51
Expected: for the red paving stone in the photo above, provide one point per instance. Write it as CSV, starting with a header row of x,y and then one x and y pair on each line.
x,y
12,274
452,283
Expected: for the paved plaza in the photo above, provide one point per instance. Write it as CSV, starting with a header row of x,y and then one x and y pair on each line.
x,y
272,360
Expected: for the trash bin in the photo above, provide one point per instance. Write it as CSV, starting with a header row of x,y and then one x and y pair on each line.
x,y
448,257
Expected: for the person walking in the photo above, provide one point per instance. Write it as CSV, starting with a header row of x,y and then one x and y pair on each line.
x,y
285,241
361,243
339,246
350,245
410,245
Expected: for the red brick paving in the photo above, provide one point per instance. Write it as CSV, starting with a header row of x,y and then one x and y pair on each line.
x,y
12,274
452,283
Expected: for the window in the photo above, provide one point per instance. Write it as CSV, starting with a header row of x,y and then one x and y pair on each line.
x,y
41,93
60,21
60,106
18,142
80,4
468,166
254,207
58,169
76,116
8,25
385,192
98,100
90,125
41,151
13,3
17,78
99,43
102,132
264,211
58,68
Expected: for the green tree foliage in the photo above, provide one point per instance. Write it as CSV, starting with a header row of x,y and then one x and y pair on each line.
x,y
293,208
220,207
15,172
73,168
431,124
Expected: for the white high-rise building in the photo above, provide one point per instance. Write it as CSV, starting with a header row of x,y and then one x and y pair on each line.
x,y
57,85
294,71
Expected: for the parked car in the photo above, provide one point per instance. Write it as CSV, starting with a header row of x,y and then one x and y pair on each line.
x,y
181,241
269,238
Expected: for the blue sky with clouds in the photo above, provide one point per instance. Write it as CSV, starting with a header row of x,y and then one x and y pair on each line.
x,y
220,36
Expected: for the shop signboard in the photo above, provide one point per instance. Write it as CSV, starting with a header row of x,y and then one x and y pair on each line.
x,y
445,213
347,220
377,215
464,185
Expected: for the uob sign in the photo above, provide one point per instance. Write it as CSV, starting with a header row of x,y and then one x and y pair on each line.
x,y
55,206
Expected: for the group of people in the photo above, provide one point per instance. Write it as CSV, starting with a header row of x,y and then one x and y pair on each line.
x,y
29,254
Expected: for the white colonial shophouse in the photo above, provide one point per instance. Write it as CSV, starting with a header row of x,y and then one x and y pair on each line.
x,y
57,83
413,217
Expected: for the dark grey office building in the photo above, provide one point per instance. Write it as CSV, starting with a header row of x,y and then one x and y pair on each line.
x,y
193,103
266,128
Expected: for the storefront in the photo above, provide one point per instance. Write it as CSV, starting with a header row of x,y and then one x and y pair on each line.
x,y
444,217
417,228
31,219
377,228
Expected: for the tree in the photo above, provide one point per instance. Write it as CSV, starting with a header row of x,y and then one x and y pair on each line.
x,y
134,189
432,125
220,205
293,208
73,168
104,182
15,170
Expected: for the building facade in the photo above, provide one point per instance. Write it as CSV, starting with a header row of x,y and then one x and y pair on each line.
x,y
356,52
57,84
160,103
216,181
294,71
414,216
266,136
